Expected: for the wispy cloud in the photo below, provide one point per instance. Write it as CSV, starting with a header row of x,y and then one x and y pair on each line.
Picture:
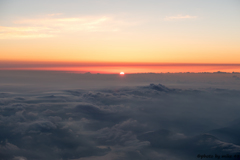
x,y
179,17
25,32
55,14
52,25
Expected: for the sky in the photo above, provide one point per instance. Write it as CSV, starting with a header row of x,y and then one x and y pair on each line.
x,y
104,31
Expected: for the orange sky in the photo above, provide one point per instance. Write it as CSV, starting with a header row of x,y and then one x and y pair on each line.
x,y
122,49
127,32
116,68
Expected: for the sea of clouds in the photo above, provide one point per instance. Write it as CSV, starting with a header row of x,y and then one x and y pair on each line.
x,y
63,116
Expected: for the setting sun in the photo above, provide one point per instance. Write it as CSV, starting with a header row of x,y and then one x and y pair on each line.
x,y
122,73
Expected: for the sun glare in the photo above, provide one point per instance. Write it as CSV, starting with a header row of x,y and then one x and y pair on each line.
x,y
122,73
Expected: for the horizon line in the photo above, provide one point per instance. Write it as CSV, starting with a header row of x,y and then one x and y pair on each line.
x,y
93,73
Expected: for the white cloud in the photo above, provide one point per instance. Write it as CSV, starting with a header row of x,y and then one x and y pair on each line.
x,y
25,32
55,14
52,25
179,17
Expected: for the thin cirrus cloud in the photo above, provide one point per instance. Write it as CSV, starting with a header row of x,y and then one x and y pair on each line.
x,y
24,32
179,17
55,14
52,25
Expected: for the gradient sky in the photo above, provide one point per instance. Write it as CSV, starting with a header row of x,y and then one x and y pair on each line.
x,y
153,31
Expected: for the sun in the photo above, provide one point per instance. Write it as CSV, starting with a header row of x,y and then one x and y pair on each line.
x,y
122,73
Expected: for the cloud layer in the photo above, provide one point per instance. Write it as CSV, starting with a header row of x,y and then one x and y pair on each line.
x,y
145,122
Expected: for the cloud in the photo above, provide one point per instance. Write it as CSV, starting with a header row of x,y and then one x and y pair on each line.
x,y
55,14
236,77
19,158
151,121
53,25
24,32
179,17
159,87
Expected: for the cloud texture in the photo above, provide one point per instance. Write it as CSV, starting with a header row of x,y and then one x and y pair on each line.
x,y
146,122
179,17
53,25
